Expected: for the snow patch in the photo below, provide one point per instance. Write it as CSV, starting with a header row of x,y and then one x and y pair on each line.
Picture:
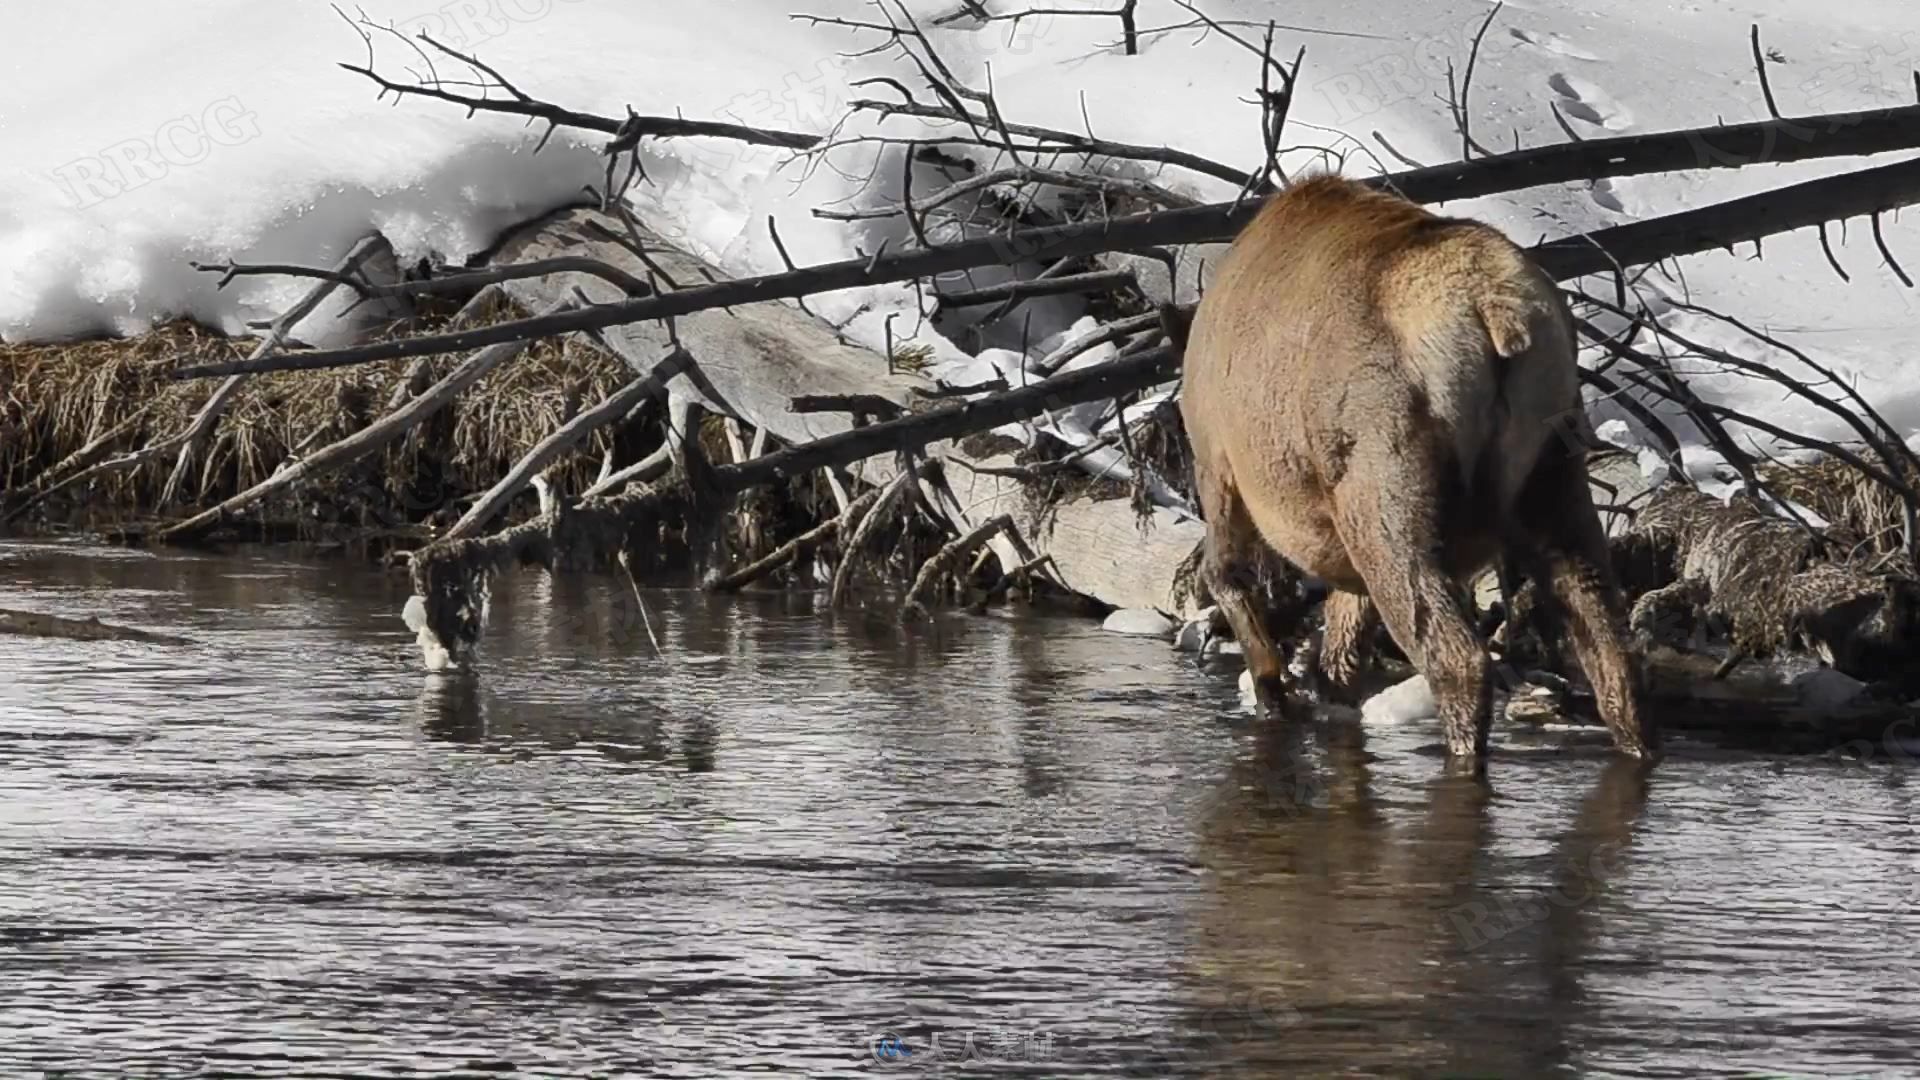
x,y
223,129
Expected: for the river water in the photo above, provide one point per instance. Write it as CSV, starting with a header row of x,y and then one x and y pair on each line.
x,y
1003,846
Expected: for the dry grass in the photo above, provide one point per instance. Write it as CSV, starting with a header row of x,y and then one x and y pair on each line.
x,y
57,398
1863,511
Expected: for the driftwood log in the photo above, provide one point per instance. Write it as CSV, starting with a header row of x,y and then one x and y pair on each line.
x,y
755,362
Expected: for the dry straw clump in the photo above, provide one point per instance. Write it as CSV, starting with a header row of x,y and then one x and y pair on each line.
x,y
1860,508
57,398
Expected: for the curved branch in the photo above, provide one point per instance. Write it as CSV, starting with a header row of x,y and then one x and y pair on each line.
x,y
1796,206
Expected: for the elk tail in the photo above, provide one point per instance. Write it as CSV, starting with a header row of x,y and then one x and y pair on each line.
x,y
1508,315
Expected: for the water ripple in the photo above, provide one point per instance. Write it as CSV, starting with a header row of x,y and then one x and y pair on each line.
x,y
284,851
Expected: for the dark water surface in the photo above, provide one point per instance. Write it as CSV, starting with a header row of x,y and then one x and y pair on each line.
x,y
287,851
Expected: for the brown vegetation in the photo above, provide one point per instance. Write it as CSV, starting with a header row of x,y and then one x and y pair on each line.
x,y
112,396
1772,581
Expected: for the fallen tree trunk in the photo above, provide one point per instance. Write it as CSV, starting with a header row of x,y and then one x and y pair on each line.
x,y
750,363
1864,192
755,364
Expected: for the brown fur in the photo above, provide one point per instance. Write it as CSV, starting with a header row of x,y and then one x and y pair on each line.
x,y
1373,391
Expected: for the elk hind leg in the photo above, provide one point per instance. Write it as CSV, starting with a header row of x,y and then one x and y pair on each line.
x,y
1394,544
1570,554
1350,619
1234,566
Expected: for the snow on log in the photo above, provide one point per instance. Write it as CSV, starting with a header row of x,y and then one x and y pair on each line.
x,y
755,361
750,362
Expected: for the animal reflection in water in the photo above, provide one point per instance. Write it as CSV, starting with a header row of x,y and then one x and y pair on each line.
x,y
1335,932
457,708
1389,400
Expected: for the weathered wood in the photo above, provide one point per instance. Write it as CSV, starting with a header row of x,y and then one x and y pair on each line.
x,y
752,361
1099,547
759,360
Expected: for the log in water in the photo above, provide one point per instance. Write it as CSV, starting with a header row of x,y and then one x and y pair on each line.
x,y
39,624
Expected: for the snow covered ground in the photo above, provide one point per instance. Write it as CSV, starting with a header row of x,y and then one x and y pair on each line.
x,y
138,137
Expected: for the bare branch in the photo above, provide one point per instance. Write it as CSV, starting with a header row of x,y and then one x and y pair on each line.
x,y
1095,281
1718,226
566,437
360,443
1760,65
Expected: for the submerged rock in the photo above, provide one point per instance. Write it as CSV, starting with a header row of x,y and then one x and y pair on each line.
x,y
1539,698
1196,631
1825,688
1401,703
1139,622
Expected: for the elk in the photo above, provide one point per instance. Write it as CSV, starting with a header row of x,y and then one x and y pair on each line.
x,y
1389,400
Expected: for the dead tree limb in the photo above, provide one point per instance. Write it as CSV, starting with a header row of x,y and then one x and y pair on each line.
x,y
794,549
449,575
944,560
190,441
910,433
645,471
555,116
1093,339
857,404
35,624
1722,225
1867,192
1094,281
566,437
194,438
874,518
1897,458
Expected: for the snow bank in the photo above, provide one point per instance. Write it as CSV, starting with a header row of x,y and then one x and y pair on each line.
x,y
138,137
